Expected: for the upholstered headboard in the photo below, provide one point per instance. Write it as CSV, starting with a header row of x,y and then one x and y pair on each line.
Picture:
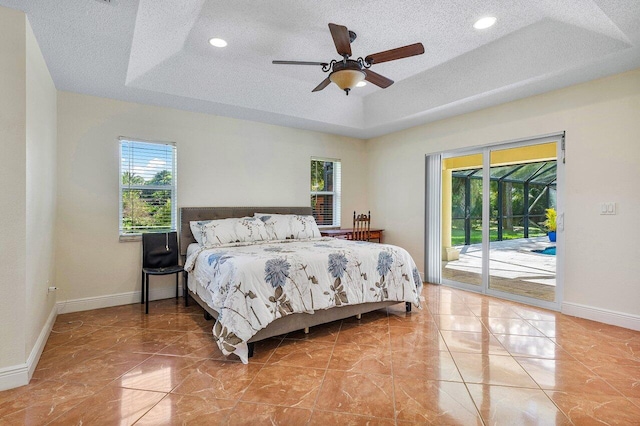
x,y
187,214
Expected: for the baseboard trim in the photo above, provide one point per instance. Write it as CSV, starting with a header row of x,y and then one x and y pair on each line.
x,y
36,352
605,316
14,376
98,302
20,375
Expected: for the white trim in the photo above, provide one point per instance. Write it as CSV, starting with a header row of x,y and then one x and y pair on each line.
x,y
605,316
19,375
514,143
14,376
433,219
126,138
36,352
98,302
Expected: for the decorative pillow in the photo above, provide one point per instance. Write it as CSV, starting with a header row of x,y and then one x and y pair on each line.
x,y
251,229
289,226
221,231
198,230
231,230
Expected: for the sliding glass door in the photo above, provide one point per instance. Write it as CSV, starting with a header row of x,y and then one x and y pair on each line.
x,y
498,206
462,189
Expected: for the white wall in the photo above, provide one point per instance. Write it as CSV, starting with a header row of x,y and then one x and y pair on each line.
x,y
13,194
602,123
41,148
27,200
221,162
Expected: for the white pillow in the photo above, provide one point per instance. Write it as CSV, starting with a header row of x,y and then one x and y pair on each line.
x,y
250,229
198,230
289,226
220,231
231,230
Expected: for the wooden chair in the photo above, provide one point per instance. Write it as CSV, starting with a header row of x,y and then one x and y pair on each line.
x,y
361,227
159,257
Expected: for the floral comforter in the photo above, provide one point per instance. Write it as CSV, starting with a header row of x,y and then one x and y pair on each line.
x,y
253,284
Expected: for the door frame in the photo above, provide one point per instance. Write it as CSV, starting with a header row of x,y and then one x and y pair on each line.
x,y
433,231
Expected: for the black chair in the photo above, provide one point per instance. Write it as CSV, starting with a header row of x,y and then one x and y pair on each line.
x,y
159,257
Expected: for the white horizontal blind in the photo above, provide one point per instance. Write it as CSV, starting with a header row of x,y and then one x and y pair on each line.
x,y
147,187
326,187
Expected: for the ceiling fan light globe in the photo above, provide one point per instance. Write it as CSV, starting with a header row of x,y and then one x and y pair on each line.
x,y
347,79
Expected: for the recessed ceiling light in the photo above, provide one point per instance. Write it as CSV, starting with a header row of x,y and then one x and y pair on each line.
x,y
361,84
217,42
484,23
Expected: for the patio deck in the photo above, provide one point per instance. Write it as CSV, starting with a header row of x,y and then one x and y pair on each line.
x,y
514,267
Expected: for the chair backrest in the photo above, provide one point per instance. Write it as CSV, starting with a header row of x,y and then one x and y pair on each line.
x,y
361,227
159,250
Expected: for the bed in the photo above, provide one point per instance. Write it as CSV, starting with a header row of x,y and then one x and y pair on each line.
x,y
260,289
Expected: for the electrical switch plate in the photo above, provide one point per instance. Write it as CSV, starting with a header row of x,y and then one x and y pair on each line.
x,y
608,208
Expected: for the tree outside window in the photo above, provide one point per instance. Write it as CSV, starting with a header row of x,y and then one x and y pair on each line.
x,y
325,191
147,187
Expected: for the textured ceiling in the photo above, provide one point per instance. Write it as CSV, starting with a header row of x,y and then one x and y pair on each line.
x,y
157,52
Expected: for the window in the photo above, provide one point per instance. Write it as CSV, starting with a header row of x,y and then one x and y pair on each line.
x,y
325,191
147,187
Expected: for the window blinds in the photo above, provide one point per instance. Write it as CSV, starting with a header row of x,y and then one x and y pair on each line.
x,y
326,185
147,187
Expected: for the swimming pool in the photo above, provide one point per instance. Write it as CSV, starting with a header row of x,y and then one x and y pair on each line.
x,y
551,251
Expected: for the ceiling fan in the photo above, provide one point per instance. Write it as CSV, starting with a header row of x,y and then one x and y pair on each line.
x,y
346,73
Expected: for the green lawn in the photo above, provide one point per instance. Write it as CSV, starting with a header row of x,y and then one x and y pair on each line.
x,y
457,234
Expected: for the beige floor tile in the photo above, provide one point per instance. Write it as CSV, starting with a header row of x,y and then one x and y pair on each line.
x,y
117,365
263,414
499,405
111,406
463,341
459,323
194,344
357,358
356,393
532,346
285,386
187,409
219,379
624,378
427,365
42,401
587,409
160,373
565,375
511,326
302,353
325,418
492,369
434,402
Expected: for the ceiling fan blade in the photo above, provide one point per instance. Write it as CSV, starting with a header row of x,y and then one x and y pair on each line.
x,y
298,63
341,39
377,79
397,53
322,85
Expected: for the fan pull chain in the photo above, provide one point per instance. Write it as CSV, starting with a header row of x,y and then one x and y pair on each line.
x,y
167,241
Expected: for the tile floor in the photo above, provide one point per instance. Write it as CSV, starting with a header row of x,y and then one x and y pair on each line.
x,y
464,359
